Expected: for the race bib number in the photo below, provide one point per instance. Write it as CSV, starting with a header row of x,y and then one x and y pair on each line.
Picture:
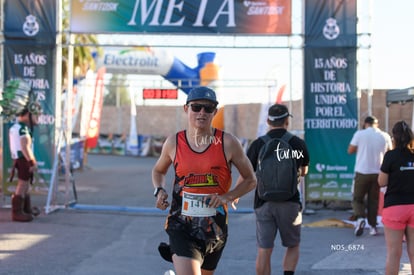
x,y
194,205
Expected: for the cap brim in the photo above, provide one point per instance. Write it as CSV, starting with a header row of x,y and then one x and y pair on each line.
x,y
208,99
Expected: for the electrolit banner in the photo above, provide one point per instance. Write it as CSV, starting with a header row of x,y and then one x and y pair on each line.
x,y
330,99
136,60
30,20
188,16
152,61
35,64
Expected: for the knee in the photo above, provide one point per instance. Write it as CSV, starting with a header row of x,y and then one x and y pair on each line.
x,y
292,251
264,254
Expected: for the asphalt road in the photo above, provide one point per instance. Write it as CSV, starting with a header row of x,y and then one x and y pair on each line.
x,y
114,228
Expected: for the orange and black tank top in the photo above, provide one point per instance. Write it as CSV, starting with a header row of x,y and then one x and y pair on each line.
x,y
204,172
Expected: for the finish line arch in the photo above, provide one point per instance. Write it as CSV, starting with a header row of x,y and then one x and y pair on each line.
x,y
169,29
230,37
225,24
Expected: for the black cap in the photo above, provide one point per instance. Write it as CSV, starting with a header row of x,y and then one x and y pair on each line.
x,y
201,93
371,120
278,111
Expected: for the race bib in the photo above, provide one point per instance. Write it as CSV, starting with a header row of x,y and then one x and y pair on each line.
x,y
194,205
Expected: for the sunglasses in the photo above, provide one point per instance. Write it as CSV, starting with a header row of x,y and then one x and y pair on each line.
x,y
208,108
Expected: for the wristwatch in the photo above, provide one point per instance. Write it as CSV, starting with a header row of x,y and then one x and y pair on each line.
x,y
157,190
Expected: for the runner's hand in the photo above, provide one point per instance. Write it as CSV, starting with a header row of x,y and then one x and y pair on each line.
x,y
162,200
215,200
33,166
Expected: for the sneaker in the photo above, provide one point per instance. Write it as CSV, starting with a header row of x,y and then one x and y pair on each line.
x,y
373,231
359,229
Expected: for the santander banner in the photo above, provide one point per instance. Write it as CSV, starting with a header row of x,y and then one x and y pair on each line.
x,y
330,97
29,52
267,17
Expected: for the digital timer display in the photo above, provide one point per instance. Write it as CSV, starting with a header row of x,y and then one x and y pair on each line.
x,y
160,93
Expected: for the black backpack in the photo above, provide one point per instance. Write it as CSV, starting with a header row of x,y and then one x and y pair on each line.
x,y
276,169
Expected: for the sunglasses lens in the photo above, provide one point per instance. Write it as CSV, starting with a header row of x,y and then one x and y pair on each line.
x,y
196,107
207,108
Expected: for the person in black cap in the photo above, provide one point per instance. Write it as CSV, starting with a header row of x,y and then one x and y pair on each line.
x,y
285,216
202,157
370,145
